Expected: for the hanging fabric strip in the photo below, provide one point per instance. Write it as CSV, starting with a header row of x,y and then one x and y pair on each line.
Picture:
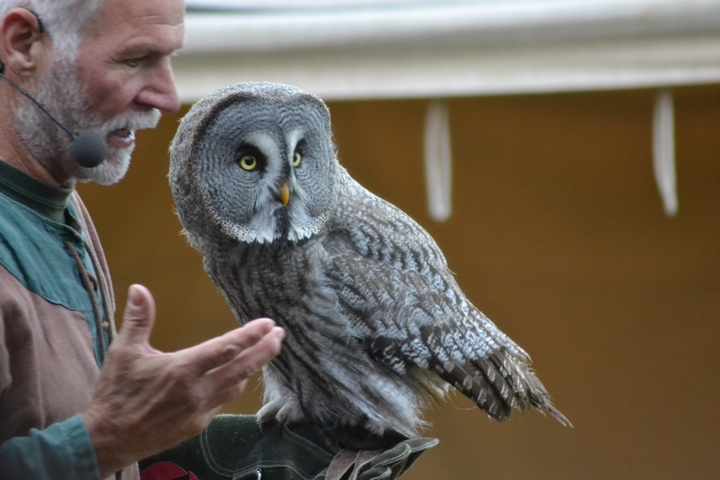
x,y
664,150
438,160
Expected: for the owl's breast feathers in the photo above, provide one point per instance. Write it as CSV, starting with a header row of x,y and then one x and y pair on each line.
x,y
322,365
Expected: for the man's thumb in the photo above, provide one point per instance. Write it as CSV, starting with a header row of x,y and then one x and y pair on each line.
x,y
139,315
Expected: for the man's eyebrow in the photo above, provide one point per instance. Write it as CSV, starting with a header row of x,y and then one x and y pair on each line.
x,y
144,50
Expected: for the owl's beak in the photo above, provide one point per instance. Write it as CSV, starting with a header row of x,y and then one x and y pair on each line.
x,y
284,194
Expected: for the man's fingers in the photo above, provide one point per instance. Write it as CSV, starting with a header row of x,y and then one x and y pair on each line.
x,y
139,316
247,363
230,393
220,350
250,333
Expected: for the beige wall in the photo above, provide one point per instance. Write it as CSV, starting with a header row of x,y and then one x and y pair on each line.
x,y
558,234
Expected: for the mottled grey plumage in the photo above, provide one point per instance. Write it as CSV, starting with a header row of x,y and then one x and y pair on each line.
x,y
374,319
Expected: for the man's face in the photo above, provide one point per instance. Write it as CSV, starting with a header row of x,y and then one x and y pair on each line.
x,y
120,82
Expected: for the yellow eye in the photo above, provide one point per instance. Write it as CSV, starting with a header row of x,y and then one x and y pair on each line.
x,y
248,162
297,160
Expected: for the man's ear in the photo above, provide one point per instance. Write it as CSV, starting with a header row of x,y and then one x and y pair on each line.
x,y
23,45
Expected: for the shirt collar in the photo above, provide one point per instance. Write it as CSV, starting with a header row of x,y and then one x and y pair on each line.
x,y
44,199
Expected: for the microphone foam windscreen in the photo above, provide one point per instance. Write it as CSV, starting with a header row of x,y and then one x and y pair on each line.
x,y
88,149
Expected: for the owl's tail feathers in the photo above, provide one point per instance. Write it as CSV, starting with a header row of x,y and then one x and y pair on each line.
x,y
497,386
540,399
481,382
558,416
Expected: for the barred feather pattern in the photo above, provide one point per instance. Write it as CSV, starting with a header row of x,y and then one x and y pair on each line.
x,y
375,322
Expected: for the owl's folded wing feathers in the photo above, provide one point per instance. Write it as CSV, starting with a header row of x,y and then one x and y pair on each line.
x,y
394,284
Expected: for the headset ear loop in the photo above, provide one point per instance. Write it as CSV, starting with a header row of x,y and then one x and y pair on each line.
x,y
41,27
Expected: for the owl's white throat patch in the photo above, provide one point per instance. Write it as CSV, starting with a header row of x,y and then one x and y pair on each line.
x,y
274,222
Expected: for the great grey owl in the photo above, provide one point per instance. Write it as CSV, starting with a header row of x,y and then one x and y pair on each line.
x,y
375,322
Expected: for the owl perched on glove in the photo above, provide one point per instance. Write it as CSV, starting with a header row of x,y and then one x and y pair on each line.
x,y
375,322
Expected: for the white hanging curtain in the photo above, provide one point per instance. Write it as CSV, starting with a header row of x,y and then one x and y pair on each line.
x,y
438,160
664,150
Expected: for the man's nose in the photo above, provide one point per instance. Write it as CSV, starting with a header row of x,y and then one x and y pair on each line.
x,y
161,92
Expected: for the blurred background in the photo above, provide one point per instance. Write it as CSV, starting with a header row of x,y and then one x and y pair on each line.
x,y
566,158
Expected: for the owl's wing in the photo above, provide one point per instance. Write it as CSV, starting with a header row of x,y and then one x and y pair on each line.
x,y
394,285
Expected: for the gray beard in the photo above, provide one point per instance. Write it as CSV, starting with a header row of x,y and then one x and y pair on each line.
x,y
60,92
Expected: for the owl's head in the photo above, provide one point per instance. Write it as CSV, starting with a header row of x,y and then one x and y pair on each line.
x,y
257,161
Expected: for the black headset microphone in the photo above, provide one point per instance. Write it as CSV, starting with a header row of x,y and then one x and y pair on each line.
x,y
87,148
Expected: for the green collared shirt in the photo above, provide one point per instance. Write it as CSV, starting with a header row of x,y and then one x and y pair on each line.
x,y
36,222
39,229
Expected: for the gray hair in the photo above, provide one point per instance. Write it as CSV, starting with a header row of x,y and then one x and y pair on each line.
x,y
65,20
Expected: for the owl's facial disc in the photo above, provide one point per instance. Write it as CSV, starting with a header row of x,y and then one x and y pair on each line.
x,y
265,168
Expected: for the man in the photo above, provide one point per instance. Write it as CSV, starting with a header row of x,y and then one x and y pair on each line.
x,y
102,66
